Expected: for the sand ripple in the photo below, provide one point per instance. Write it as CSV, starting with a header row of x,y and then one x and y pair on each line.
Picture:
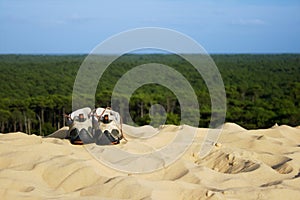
x,y
264,163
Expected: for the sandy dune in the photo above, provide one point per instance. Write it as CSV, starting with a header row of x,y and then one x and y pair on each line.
x,y
244,164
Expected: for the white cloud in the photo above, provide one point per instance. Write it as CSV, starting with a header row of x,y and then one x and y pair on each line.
x,y
248,22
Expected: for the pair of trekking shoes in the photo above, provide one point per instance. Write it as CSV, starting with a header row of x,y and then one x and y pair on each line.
x,y
107,138
100,138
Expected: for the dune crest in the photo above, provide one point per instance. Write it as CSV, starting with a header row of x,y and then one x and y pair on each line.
x,y
232,127
264,163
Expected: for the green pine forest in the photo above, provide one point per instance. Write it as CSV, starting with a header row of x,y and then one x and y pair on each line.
x,y
261,89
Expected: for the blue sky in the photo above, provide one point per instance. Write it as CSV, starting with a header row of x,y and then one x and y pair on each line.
x,y
220,26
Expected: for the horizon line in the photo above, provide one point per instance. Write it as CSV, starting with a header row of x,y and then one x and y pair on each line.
x,y
153,53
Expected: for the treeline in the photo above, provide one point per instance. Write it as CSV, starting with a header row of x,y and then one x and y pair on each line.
x,y
36,90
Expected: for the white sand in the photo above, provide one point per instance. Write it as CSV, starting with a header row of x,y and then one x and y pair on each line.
x,y
245,164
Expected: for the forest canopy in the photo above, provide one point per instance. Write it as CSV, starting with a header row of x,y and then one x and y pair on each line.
x,y
261,90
